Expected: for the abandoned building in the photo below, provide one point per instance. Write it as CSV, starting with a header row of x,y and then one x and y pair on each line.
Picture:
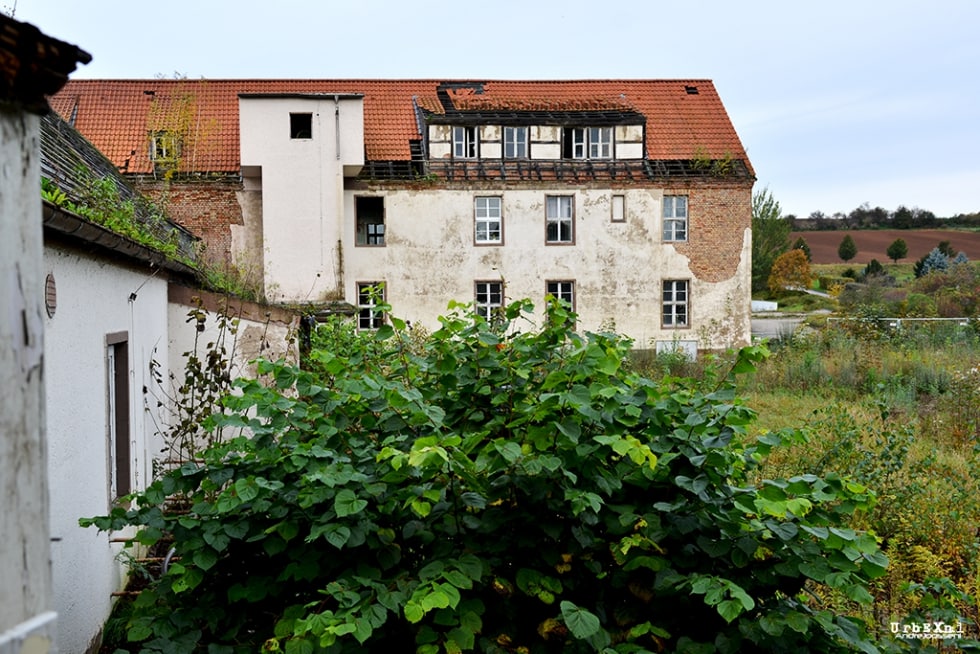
x,y
629,199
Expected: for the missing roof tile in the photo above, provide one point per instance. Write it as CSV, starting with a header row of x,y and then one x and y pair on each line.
x,y
691,89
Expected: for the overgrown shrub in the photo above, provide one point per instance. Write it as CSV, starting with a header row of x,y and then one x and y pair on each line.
x,y
496,490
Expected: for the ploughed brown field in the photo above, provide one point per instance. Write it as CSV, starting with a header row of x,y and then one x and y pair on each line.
x,y
872,243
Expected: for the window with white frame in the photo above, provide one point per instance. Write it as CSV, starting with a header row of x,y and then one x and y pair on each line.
x,y
675,303
587,143
488,220
489,298
600,142
563,290
675,218
465,143
370,217
515,142
369,295
559,219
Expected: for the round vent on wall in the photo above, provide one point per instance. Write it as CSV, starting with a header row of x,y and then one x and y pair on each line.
x,y
50,295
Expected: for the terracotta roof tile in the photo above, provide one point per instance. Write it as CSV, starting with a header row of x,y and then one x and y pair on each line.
x,y
118,115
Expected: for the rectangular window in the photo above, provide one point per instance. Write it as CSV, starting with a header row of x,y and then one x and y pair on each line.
x,y
489,299
587,142
675,303
464,143
489,222
164,149
369,294
675,218
515,142
562,290
600,142
618,208
558,219
300,126
117,400
370,220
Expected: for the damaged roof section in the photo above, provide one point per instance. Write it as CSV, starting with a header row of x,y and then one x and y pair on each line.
x,y
684,120
70,163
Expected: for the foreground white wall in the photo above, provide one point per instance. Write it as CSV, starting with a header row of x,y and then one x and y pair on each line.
x,y
26,621
95,298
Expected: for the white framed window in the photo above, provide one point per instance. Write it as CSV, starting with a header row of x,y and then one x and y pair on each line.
x,y
369,294
675,303
563,290
587,143
165,146
465,143
370,217
675,218
600,142
515,142
489,298
559,219
488,220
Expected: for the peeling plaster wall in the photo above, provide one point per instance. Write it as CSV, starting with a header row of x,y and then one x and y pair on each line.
x,y
95,297
430,258
26,623
266,332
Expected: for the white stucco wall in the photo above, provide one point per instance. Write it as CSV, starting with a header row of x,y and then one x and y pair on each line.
x,y
302,188
430,258
93,300
26,621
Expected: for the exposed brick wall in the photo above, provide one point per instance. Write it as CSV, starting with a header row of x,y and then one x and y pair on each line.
x,y
207,208
717,219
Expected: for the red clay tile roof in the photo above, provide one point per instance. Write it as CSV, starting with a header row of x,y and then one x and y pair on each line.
x,y
117,115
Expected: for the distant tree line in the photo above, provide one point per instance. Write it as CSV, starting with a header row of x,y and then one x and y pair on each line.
x,y
866,217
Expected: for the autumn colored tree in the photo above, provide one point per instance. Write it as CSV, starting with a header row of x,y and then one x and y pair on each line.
x,y
847,249
790,270
770,236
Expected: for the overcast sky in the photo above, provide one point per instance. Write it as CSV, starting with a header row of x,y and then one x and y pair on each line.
x,y
837,103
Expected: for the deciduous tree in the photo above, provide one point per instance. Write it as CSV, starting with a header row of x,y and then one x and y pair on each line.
x,y
770,236
791,270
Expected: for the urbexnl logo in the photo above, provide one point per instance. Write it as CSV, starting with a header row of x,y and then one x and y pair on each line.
x,y
927,630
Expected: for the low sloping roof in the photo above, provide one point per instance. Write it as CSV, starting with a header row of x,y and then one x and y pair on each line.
x,y
685,119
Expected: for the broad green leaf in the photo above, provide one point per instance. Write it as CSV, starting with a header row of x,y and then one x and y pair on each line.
x,y
580,622
347,503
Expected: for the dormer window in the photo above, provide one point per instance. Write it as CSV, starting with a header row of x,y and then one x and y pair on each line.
x,y
164,149
515,143
587,143
464,143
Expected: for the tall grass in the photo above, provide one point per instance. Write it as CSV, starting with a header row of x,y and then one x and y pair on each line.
x,y
898,410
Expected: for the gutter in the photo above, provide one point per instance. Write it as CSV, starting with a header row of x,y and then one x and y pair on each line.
x,y
66,225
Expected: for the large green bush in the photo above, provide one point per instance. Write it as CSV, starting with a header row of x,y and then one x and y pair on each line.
x,y
495,490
